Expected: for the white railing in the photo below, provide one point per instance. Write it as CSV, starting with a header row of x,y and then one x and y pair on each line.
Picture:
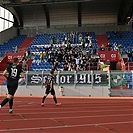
x,y
129,66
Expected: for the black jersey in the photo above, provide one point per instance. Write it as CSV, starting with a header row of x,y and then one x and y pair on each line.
x,y
14,72
48,80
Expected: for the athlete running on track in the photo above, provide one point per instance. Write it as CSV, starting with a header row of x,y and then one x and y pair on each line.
x,y
13,73
49,84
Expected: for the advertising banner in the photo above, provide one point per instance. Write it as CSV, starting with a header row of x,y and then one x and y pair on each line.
x,y
66,78
70,78
10,56
117,79
111,56
34,79
94,78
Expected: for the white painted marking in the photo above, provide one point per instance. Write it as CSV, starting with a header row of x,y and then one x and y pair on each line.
x,y
68,117
67,126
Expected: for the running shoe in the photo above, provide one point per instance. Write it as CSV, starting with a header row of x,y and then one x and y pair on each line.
x,y
11,112
42,104
58,104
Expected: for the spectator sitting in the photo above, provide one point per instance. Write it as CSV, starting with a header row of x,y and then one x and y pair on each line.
x,y
102,48
108,46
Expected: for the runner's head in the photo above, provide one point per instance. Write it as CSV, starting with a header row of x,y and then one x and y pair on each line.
x,y
15,60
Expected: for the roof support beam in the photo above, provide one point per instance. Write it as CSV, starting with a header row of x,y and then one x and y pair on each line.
x,y
46,10
79,14
20,17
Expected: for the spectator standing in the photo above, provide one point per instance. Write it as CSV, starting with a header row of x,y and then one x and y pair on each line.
x,y
16,49
108,46
41,56
55,66
24,64
129,54
102,48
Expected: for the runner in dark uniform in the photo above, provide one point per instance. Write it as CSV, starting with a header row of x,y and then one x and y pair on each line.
x,y
13,73
49,84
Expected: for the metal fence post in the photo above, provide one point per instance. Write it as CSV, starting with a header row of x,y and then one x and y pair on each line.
x,y
26,78
42,79
109,77
132,83
75,79
92,79
58,81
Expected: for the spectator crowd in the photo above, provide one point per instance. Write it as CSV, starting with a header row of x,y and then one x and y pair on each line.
x,y
69,56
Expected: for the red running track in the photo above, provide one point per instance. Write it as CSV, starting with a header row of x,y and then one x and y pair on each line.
x,y
75,115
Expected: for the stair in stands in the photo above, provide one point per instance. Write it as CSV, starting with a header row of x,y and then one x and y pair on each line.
x,y
22,47
102,39
25,44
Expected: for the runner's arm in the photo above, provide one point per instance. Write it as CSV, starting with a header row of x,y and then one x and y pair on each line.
x,y
22,75
5,73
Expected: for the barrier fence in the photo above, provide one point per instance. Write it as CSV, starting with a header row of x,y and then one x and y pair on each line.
x,y
70,78
90,78
112,79
78,83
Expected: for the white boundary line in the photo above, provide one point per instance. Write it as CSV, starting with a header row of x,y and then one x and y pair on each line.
x,y
62,112
66,126
47,106
71,117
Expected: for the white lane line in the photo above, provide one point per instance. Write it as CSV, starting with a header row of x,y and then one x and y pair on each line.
x,y
74,111
83,102
74,106
23,117
67,126
68,117
64,107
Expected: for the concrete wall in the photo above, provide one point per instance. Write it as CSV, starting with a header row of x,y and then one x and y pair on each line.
x,y
7,34
68,91
98,29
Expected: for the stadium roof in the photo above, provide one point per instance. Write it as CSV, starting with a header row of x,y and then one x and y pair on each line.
x,y
122,8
